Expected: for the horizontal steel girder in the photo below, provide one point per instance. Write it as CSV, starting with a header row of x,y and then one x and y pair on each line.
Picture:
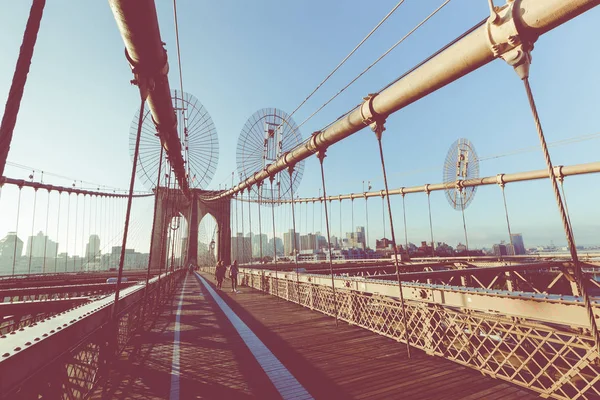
x,y
470,52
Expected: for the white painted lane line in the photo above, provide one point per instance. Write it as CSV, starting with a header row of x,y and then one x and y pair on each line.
x,y
285,383
175,370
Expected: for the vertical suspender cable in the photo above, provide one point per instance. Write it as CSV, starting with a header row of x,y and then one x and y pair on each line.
x,y
367,220
250,226
75,235
430,221
260,243
321,157
17,230
274,238
83,233
462,210
67,238
340,238
383,214
243,231
352,228
15,94
378,129
404,218
57,230
579,275
506,213
46,232
32,227
128,213
294,241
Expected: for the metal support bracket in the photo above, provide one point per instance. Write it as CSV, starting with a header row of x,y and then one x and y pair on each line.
x,y
506,41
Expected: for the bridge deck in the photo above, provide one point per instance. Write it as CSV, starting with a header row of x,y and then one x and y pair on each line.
x,y
221,353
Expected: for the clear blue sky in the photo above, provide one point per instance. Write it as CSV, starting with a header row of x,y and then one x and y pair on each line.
x,y
241,56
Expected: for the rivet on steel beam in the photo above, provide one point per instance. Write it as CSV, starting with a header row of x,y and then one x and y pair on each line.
x,y
17,349
28,344
5,355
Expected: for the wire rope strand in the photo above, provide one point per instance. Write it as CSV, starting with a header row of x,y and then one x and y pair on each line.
x,y
579,275
321,157
17,231
294,241
430,223
378,132
404,218
46,231
32,227
128,212
274,239
375,62
348,56
57,231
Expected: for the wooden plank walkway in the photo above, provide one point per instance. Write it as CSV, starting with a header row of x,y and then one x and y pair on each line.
x,y
329,362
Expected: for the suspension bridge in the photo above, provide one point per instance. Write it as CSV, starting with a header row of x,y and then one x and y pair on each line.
x,y
316,315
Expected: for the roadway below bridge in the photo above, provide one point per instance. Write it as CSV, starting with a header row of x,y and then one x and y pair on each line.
x,y
217,344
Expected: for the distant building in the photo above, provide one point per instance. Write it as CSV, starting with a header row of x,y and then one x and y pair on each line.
x,y
308,242
40,245
289,244
356,239
499,249
384,243
92,248
517,241
461,248
9,254
311,255
7,246
256,244
241,249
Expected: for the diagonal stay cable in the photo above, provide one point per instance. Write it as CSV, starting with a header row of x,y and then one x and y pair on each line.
x,y
374,62
348,56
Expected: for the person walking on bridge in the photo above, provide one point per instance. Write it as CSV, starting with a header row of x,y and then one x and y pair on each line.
x,y
233,273
220,274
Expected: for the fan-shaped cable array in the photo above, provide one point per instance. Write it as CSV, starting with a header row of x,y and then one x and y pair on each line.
x,y
462,163
267,135
198,137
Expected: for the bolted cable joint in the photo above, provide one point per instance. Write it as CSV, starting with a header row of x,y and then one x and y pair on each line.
x,y
500,180
321,154
506,40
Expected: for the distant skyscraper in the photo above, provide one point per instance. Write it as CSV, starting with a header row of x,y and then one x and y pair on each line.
x,y
308,242
288,242
40,245
517,241
240,248
92,248
8,251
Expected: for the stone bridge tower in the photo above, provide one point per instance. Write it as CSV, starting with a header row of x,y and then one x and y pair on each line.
x,y
172,202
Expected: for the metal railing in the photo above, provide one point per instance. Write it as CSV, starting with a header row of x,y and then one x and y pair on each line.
x,y
68,354
538,342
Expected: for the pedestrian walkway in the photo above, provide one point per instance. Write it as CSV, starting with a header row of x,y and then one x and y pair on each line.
x,y
252,345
